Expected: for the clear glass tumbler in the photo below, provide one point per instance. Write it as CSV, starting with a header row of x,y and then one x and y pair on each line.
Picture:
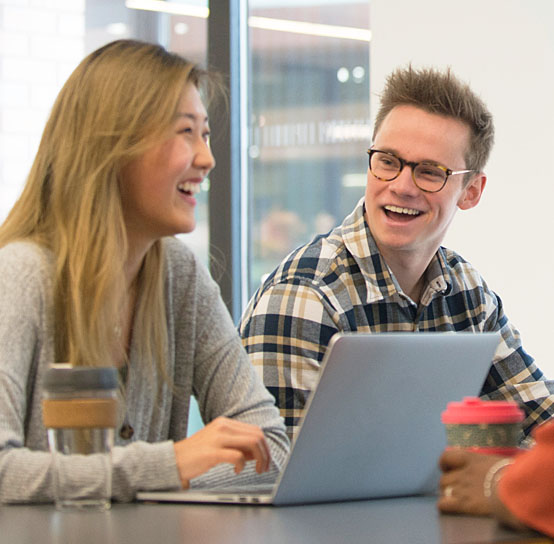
x,y
80,413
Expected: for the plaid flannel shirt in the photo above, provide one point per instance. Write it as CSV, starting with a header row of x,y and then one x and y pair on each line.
x,y
340,282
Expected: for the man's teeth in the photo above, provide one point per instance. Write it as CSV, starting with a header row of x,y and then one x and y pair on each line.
x,y
407,211
189,187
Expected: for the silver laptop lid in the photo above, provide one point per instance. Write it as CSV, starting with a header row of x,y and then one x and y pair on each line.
x,y
372,427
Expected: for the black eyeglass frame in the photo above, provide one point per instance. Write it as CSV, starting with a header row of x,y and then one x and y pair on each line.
x,y
413,165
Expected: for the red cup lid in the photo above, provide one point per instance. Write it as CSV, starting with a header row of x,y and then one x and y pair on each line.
x,y
473,410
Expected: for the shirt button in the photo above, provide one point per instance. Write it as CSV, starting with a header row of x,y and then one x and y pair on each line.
x,y
126,432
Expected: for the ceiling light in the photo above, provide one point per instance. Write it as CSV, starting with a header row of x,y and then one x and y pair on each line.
x,y
174,8
343,75
181,29
312,29
116,29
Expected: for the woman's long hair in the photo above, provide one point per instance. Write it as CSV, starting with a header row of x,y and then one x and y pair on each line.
x,y
120,101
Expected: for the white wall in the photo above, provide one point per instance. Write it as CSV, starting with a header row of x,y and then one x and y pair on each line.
x,y
41,42
505,50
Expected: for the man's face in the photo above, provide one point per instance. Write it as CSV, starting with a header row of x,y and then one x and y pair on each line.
x,y
404,219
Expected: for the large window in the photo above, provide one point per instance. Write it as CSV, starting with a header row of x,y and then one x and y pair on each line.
x,y
307,89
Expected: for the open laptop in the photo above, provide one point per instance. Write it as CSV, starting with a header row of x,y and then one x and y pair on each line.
x,y
372,427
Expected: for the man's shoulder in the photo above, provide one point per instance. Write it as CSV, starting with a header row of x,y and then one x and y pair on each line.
x,y
453,260
462,272
312,262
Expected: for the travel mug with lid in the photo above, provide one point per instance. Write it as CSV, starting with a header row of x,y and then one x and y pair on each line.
x,y
79,409
490,426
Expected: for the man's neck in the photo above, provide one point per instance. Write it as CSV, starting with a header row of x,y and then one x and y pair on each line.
x,y
409,270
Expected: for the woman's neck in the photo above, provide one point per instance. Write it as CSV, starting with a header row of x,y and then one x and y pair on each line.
x,y
135,256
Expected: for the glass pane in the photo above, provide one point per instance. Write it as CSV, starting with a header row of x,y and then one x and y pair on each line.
x,y
187,35
309,114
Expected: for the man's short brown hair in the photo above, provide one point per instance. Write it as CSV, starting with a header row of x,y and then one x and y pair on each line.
x,y
442,93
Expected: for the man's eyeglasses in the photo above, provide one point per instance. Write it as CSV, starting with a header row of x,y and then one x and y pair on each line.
x,y
428,176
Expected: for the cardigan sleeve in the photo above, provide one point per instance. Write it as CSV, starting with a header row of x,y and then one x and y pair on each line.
x,y
224,381
24,474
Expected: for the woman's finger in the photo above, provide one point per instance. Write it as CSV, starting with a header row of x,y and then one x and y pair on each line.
x,y
252,447
249,438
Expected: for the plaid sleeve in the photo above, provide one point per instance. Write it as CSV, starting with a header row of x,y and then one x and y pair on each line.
x,y
285,331
515,376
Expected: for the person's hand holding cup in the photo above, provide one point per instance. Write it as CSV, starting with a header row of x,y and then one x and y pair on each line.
x,y
482,439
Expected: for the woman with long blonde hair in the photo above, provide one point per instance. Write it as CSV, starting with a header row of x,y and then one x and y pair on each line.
x,y
93,275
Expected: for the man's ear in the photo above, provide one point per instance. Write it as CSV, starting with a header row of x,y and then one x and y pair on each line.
x,y
471,195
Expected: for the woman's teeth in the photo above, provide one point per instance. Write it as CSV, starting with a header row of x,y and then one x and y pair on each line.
x,y
189,187
406,211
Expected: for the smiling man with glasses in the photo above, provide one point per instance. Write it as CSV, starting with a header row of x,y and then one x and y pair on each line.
x,y
384,269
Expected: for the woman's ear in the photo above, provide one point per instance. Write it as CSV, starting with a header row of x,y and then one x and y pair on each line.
x,y
471,195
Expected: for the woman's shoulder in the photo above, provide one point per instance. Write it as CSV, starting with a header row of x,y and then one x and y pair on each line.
x,y
178,256
182,262
176,248
187,278
23,257
26,269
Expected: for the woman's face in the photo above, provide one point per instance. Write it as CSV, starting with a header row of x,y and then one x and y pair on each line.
x,y
158,189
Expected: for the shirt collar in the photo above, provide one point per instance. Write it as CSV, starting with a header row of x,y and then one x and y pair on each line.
x,y
437,277
380,281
